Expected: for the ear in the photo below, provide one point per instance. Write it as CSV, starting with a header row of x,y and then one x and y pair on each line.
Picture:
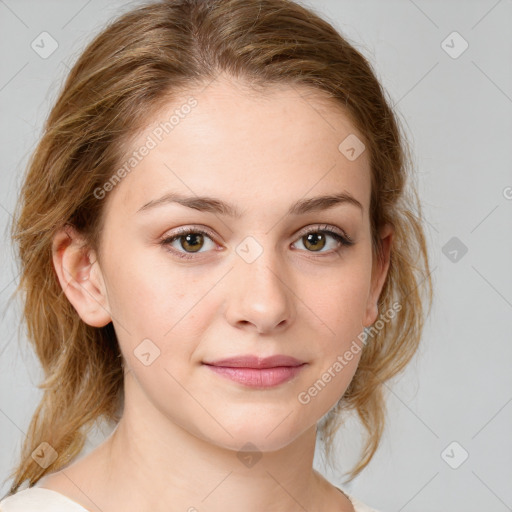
x,y
80,276
380,269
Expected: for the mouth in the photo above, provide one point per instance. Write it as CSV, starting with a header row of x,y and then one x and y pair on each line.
x,y
256,372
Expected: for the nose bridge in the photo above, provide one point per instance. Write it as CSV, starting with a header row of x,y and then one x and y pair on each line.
x,y
260,263
260,294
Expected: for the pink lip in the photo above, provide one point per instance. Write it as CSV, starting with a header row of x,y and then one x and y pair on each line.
x,y
253,371
256,362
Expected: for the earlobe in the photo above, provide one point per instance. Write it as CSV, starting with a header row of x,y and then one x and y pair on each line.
x,y
379,274
80,277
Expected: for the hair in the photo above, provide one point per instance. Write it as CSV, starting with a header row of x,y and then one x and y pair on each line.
x,y
134,67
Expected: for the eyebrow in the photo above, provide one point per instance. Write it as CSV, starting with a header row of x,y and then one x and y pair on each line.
x,y
217,206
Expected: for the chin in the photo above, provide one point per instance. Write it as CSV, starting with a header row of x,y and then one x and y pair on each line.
x,y
259,434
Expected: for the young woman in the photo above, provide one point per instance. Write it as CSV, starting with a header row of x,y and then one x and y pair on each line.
x,y
222,255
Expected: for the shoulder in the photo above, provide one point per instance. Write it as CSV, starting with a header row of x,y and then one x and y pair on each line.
x,y
39,499
358,505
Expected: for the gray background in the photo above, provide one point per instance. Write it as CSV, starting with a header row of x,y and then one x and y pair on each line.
x,y
457,112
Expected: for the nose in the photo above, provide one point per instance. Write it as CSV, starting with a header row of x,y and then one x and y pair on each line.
x,y
260,294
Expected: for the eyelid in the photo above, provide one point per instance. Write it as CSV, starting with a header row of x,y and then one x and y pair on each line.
x,y
304,231
326,227
342,238
187,229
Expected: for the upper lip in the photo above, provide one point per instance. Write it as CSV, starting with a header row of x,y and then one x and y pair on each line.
x,y
251,361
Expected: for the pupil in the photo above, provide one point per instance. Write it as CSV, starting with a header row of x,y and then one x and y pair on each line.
x,y
312,240
194,237
316,237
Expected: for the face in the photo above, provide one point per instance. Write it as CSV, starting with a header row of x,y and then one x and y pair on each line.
x,y
262,269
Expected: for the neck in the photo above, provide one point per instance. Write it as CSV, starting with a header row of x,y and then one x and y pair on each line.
x,y
181,471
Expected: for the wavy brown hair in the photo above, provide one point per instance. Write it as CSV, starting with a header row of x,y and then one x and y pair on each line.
x,y
137,64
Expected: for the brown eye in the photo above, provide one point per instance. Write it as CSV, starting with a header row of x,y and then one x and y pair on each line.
x,y
324,237
192,242
187,242
314,241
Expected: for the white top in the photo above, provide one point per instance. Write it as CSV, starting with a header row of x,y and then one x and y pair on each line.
x,y
40,499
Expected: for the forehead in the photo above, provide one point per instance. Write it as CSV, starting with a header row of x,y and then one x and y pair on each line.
x,y
244,145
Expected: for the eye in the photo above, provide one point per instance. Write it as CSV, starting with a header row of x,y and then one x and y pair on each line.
x,y
191,240
315,239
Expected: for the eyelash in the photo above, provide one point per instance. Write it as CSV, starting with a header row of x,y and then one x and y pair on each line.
x,y
344,240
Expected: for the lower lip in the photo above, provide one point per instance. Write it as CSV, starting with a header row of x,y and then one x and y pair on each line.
x,y
258,378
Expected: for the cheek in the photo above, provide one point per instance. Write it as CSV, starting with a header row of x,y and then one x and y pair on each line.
x,y
340,303
144,291
164,303
340,300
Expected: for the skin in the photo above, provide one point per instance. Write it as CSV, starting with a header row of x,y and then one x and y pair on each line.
x,y
183,425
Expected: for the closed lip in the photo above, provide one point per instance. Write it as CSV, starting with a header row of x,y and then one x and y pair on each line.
x,y
252,361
